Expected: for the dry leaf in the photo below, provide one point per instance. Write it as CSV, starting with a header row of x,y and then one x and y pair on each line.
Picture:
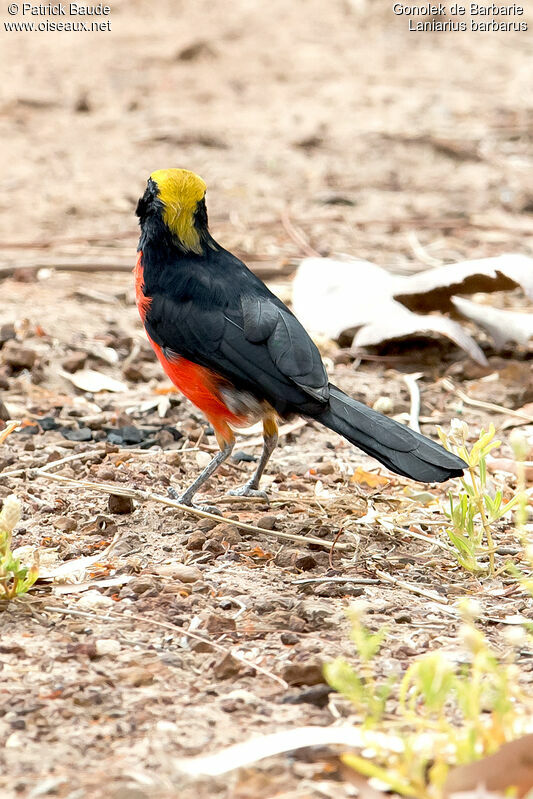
x,y
7,430
399,323
513,421
510,766
433,289
508,465
370,479
334,296
276,743
93,381
502,326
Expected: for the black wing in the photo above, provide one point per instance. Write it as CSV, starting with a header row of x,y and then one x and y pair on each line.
x,y
233,325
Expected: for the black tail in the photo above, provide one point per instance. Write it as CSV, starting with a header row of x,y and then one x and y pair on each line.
x,y
396,446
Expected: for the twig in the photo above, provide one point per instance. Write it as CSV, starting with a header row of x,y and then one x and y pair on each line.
x,y
177,631
414,394
351,580
297,235
91,266
413,588
107,488
68,459
341,530
420,252
489,406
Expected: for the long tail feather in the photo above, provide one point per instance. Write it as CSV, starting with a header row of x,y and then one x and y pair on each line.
x,y
398,447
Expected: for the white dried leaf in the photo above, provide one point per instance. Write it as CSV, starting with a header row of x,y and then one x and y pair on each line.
x,y
92,381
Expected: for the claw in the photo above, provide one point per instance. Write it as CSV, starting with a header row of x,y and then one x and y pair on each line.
x,y
184,500
247,491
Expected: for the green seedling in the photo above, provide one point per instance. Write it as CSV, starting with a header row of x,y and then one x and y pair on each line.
x,y
443,715
474,512
15,579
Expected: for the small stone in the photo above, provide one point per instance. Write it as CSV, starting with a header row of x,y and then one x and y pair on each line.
x,y
119,504
76,433
133,372
214,546
65,523
403,617
317,695
127,544
325,468
107,646
203,459
305,562
226,534
195,541
207,524
17,356
106,472
137,676
286,557
384,405
131,434
74,361
309,673
140,585
289,638
93,599
4,413
7,333
216,623
164,439
173,458
226,667
181,572
244,457
267,522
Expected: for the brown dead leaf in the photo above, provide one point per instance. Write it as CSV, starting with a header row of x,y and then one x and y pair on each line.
x,y
369,479
510,767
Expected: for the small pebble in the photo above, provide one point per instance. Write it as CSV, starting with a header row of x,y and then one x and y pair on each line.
x,y
76,360
181,572
65,523
267,522
107,646
289,638
119,504
17,356
93,599
195,541
203,459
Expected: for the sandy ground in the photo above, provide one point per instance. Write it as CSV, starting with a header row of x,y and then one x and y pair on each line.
x,y
318,127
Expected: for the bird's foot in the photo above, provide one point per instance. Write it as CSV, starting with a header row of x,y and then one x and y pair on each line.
x,y
248,490
185,500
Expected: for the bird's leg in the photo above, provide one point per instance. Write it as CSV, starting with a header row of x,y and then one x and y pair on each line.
x,y
226,445
270,440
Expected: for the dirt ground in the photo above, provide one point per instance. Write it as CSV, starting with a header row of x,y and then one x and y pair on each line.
x,y
319,127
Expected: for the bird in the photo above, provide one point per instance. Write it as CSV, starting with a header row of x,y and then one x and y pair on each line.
x,y
238,353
